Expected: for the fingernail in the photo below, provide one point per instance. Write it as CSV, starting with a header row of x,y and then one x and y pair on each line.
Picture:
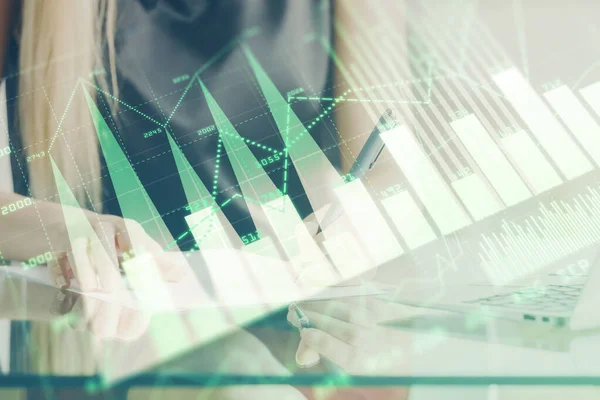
x,y
306,357
61,282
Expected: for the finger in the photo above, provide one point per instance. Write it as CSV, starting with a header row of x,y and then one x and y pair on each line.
x,y
342,310
328,346
305,356
105,319
132,243
68,301
83,269
103,254
344,331
65,267
131,238
132,324
56,272
172,265
122,240
138,239
347,332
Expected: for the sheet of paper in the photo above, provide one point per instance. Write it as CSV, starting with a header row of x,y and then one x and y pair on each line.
x,y
274,287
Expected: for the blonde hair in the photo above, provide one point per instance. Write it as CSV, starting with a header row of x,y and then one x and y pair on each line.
x,y
61,43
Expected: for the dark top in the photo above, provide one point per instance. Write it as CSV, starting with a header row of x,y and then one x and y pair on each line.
x,y
159,44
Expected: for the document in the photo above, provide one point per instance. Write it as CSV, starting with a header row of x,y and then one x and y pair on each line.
x,y
216,278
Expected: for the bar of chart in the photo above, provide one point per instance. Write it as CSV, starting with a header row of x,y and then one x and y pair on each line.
x,y
346,255
426,181
578,120
591,94
374,235
538,171
476,197
408,220
556,139
491,160
291,231
516,166
208,230
569,158
265,247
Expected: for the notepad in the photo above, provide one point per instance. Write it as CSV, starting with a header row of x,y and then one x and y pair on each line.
x,y
217,278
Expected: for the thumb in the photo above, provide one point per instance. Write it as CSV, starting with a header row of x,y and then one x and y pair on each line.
x,y
305,356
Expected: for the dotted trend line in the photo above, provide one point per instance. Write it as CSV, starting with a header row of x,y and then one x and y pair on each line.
x,y
217,167
62,118
211,225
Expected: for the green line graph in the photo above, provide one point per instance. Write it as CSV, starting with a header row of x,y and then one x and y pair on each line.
x,y
314,169
194,189
131,194
253,181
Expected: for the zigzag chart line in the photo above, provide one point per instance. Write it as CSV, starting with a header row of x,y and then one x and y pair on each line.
x,y
225,136
130,191
298,143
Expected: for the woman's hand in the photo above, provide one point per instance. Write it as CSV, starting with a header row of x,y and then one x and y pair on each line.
x,y
346,332
103,319
94,261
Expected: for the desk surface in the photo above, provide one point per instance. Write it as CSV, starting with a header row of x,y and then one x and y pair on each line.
x,y
52,344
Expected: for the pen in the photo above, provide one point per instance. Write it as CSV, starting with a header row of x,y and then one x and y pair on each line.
x,y
365,161
302,318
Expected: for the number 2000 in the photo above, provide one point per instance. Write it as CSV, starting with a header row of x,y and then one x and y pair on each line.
x,y
16,206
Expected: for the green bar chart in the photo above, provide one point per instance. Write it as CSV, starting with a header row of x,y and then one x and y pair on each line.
x,y
563,150
577,118
428,184
491,160
538,171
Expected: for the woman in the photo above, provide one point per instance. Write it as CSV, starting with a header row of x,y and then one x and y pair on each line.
x,y
147,66
136,59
